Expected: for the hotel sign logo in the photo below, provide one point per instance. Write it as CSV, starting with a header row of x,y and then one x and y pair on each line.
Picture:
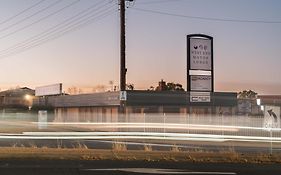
x,y
200,54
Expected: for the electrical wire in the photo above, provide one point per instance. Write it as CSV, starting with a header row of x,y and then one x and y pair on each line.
x,y
21,12
61,25
155,2
39,20
85,22
205,18
30,16
55,37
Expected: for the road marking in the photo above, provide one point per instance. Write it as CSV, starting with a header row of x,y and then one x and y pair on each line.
x,y
161,171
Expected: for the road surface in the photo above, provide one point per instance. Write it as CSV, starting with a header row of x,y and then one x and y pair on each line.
x,y
71,167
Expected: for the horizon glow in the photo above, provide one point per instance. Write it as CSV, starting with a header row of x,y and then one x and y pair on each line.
x,y
246,55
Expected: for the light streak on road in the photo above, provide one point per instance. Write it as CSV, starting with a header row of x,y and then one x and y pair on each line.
x,y
160,171
143,143
152,125
139,135
162,125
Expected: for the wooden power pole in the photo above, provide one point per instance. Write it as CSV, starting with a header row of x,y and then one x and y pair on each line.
x,y
123,69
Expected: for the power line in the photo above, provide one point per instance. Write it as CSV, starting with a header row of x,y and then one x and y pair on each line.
x,y
205,18
61,25
69,29
156,2
21,12
30,16
41,19
57,35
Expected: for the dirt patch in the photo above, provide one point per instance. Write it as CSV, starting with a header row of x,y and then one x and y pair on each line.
x,y
82,153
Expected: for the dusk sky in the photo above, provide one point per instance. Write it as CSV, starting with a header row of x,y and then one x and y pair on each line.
x,y
247,42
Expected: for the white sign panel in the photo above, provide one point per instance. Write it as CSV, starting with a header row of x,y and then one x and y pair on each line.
x,y
123,96
200,97
200,54
271,117
201,83
55,89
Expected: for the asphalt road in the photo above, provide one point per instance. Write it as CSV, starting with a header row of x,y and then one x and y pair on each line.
x,y
68,167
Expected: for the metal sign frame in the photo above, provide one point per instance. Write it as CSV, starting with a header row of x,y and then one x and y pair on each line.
x,y
199,36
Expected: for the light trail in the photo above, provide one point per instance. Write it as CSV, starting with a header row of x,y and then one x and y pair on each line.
x,y
164,125
150,125
139,135
168,132
161,171
143,143
104,138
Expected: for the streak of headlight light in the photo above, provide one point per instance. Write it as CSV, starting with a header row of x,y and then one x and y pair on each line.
x,y
153,125
137,135
160,134
105,137
142,143
146,134
130,137
172,127
162,124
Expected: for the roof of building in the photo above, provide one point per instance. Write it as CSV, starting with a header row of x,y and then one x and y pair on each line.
x,y
18,92
270,99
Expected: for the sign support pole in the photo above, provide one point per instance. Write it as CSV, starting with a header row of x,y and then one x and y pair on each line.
x,y
271,141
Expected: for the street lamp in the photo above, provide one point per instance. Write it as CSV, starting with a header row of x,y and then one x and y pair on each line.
x,y
27,97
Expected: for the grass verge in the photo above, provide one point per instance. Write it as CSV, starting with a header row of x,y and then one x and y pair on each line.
x,y
83,153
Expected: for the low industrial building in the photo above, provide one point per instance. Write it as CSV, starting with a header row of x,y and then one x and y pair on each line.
x,y
19,98
274,100
105,107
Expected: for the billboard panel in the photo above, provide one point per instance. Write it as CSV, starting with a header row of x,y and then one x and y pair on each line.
x,y
200,54
54,89
201,83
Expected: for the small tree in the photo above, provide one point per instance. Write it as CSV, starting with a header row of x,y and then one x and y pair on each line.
x,y
247,94
130,87
174,87
151,88
163,86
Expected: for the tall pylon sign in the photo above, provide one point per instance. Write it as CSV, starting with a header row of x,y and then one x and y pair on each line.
x,y
200,67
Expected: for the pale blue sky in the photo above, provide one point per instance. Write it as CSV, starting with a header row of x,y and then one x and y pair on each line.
x,y
246,55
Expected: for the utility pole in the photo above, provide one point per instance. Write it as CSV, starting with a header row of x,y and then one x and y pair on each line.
x,y
123,69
